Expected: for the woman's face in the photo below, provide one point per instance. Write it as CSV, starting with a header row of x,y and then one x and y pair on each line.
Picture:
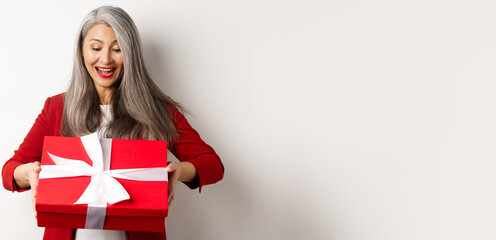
x,y
103,57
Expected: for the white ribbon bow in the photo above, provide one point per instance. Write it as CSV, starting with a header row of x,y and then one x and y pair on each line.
x,y
103,187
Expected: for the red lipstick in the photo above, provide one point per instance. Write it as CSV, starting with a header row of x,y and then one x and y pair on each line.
x,y
102,75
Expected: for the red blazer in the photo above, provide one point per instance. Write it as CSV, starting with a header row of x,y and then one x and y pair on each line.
x,y
188,147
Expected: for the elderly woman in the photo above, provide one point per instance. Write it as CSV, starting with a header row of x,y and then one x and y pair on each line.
x,y
112,93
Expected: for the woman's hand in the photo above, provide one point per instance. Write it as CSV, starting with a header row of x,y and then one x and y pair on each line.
x,y
27,175
173,170
179,171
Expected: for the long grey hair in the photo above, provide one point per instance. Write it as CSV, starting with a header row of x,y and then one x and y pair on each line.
x,y
141,110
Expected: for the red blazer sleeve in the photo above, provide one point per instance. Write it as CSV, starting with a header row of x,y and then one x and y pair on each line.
x,y
191,148
47,123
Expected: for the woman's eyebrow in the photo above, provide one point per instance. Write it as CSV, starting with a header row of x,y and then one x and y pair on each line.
x,y
98,40
95,39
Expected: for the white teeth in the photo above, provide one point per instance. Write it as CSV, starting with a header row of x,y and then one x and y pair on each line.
x,y
105,70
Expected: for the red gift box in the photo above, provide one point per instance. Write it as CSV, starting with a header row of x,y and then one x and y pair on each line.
x,y
57,197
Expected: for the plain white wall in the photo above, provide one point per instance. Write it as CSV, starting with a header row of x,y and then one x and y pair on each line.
x,y
335,119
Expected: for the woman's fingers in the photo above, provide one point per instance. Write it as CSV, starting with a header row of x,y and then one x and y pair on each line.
x,y
33,181
172,169
34,176
171,189
37,168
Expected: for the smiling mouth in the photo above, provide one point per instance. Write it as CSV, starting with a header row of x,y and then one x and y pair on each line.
x,y
105,72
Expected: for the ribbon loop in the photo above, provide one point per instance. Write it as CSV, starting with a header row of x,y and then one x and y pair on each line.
x,y
113,191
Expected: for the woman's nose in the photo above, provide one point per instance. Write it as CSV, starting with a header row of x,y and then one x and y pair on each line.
x,y
106,56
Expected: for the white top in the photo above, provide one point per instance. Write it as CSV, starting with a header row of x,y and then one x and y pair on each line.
x,y
97,234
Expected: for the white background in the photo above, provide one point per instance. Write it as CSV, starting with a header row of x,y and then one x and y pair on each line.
x,y
336,120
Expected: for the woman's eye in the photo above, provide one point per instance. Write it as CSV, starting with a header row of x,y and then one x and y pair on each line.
x,y
96,49
117,50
